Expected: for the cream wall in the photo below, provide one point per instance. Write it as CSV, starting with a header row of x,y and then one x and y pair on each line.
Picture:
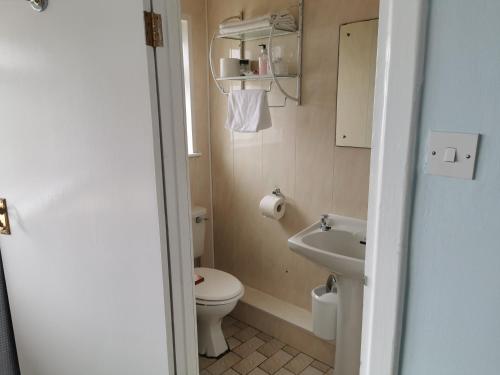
x,y
298,154
195,12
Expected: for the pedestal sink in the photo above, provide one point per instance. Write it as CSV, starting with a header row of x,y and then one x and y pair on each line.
x,y
339,245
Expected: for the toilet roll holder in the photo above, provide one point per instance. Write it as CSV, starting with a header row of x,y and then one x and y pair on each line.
x,y
38,5
278,192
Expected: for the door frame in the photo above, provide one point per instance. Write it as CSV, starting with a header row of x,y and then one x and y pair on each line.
x,y
398,89
176,189
398,86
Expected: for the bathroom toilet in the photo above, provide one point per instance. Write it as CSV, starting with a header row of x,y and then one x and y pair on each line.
x,y
216,296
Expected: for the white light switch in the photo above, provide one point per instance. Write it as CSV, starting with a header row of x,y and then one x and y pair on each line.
x,y
452,154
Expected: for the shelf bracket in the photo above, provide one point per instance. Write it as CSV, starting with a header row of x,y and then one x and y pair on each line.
x,y
280,105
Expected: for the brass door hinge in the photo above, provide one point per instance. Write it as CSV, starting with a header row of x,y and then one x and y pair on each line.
x,y
4,217
154,32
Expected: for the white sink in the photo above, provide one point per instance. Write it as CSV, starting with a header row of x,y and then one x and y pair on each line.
x,y
340,249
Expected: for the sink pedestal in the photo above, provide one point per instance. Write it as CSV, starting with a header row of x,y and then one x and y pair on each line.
x,y
348,342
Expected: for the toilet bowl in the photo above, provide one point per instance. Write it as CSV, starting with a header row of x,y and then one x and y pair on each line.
x,y
216,297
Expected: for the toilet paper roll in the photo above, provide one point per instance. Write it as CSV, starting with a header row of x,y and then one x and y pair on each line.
x,y
273,206
229,67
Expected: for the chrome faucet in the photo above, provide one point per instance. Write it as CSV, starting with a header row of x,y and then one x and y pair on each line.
x,y
324,224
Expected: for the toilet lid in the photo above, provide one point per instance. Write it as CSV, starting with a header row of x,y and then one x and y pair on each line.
x,y
218,285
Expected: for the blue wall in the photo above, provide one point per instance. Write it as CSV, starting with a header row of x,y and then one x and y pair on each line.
x,y
452,319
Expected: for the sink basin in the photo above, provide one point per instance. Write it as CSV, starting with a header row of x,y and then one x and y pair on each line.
x,y
340,249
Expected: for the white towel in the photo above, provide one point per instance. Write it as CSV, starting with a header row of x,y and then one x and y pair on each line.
x,y
282,21
247,29
243,28
238,23
248,111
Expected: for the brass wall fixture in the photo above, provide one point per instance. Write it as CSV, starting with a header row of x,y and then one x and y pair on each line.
x,y
4,217
39,5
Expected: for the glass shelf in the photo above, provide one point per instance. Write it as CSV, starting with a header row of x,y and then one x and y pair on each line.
x,y
260,33
255,78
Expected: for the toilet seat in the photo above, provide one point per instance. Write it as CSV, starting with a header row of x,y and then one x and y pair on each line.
x,y
218,288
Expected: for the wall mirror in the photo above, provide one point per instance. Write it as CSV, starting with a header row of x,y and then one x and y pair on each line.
x,y
356,79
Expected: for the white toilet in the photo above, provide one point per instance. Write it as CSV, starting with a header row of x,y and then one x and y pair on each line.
x,y
216,296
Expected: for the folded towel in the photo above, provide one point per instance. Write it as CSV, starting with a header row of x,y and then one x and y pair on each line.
x,y
248,111
282,21
244,28
264,20
245,22
257,25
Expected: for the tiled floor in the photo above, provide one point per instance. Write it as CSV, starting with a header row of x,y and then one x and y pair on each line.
x,y
254,353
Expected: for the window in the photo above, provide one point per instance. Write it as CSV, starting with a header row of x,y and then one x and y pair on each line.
x,y
187,86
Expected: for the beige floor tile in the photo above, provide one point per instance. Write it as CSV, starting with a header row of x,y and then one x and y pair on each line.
x,y
249,363
204,362
245,334
277,361
292,351
257,371
320,366
240,324
247,348
223,364
311,371
256,353
299,363
230,330
264,337
271,347
233,342
228,320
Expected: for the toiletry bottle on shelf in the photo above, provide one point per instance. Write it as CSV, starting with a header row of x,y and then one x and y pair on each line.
x,y
263,61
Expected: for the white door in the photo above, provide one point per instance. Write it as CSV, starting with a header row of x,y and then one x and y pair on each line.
x,y
85,262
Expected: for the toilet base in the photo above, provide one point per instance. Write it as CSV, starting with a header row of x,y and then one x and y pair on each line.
x,y
211,340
